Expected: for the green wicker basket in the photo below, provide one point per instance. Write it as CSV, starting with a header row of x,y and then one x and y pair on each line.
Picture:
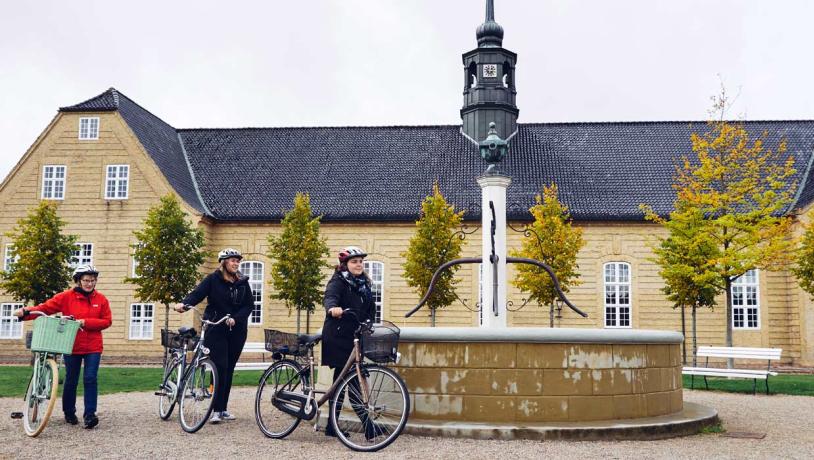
x,y
54,335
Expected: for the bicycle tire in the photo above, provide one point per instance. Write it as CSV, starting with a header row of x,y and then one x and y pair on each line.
x,y
273,422
169,387
200,386
35,415
371,428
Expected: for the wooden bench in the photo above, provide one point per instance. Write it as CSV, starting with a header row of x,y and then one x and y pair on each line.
x,y
768,354
252,348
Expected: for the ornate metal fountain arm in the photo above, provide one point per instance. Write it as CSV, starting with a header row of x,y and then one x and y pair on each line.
x,y
547,268
465,260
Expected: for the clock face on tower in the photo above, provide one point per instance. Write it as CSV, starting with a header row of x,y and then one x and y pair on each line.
x,y
490,71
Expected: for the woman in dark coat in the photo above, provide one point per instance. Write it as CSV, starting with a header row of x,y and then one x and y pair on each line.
x,y
348,289
228,293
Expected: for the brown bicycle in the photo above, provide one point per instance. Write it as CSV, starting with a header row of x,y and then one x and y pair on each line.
x,y
369,404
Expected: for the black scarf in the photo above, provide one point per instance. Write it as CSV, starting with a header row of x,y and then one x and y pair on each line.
x,y
360,285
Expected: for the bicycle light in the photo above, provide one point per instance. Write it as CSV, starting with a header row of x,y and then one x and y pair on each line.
x,y
205,350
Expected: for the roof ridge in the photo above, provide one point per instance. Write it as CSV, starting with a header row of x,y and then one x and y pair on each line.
x,y
641,122
266,128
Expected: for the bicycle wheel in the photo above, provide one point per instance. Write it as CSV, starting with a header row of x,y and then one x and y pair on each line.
x,y
282,375
41,398
168,390
198,395
372,426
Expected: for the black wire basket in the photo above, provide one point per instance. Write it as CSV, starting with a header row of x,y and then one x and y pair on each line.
x,y
284,342
171,339
382,344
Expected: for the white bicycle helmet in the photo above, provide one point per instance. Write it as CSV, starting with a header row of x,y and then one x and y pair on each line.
x,y
351,252
84,269
229,253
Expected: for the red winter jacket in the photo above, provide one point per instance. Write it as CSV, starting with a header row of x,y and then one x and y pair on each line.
x,y
94,310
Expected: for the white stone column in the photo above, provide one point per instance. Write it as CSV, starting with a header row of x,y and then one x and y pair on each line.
x,y
493,189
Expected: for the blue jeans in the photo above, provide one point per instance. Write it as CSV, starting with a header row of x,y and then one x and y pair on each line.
x,y
72,365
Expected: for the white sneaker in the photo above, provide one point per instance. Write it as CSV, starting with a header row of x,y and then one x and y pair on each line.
x,y
225,415
216,418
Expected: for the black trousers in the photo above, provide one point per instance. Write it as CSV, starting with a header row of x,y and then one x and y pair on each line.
x,y
225,347
355,401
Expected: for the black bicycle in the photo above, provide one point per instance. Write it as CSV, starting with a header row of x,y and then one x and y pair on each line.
x,y
191,384
369,404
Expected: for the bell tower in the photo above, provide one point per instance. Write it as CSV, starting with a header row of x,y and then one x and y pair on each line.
x,y
489,91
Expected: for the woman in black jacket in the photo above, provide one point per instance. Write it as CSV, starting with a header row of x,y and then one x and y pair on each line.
x,y
348,289
228,293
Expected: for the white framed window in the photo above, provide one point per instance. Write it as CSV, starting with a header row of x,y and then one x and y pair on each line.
x,y
82,255
53,182
141,321
10,328
116,182
746,301
254,270
8,260
89,128
133,258
617,294
375,270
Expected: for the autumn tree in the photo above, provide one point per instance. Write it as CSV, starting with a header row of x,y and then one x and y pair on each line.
x,y
432,245
741,188
298,259
40,256
804,267
551,239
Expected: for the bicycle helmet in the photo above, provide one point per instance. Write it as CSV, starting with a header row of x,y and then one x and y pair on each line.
x,y
85,269
229,253
350,252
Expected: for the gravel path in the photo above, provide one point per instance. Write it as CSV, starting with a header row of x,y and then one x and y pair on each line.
x,y
130,428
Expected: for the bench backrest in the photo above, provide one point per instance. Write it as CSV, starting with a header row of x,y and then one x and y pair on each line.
x,y
255,347
740,352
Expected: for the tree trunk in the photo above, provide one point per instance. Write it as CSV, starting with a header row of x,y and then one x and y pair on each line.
x,y
298,320
729,362
308,322
167,328
432,317
551,315
694,338
684,333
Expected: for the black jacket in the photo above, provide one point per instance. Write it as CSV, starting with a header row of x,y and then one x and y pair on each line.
x,y
337,334
224,298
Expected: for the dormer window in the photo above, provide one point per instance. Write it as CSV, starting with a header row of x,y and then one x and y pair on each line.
x,y
89,128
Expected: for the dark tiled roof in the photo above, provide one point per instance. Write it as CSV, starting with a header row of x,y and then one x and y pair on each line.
x,y
158,138
604,170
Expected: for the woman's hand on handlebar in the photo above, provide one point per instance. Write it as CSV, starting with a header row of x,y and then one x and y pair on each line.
x,y
336,312
230,322
180,308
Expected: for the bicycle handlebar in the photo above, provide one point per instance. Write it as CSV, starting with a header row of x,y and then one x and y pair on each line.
x,y
204,320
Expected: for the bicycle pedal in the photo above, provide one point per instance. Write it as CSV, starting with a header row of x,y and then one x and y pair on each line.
x,y
16,415
160,393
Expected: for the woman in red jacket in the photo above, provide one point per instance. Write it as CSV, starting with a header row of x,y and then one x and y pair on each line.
x,y
92,310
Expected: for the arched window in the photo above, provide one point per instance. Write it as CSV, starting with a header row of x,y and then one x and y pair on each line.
x,y
472,75
375,270
507,75
254,270
617,294
746,301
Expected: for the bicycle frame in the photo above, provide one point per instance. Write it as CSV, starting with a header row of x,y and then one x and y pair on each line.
x,y
199,353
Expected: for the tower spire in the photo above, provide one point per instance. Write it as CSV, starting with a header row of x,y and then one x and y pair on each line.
x,y
490,33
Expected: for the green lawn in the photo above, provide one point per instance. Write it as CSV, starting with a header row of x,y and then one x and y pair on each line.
x,y
13,379
782,384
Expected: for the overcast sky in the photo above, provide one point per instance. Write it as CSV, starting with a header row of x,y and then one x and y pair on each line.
x,y
270,63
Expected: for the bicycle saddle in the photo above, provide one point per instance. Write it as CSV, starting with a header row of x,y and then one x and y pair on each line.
x,y
186,331
309,340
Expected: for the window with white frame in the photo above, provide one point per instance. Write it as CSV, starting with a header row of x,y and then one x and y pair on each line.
x,y
10,328
116,182
89,128
141,321
617,294
254,270
8,260
82,255
375,270
53,182
746,301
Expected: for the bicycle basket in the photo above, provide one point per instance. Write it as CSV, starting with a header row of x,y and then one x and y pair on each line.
x,y
54,335
171,339
382,344
284,342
